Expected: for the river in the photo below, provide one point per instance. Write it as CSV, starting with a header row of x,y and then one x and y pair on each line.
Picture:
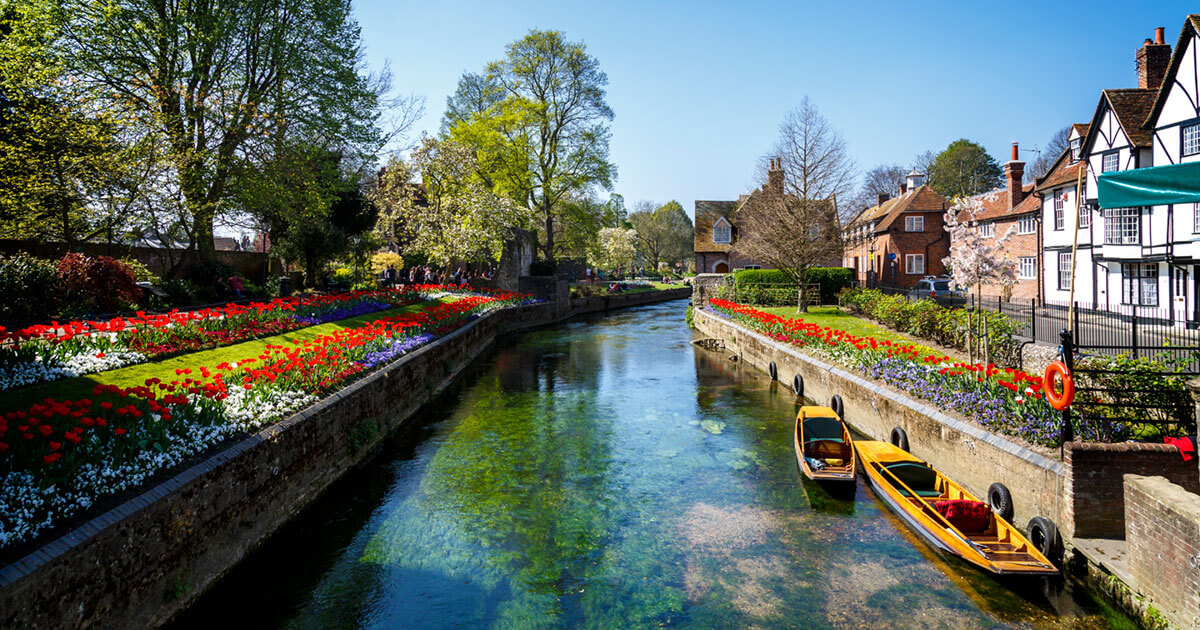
x,y
606,473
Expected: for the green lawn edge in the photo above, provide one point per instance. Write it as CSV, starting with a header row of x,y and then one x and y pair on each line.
x,y
135,375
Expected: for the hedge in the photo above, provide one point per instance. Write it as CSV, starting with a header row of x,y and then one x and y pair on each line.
x,y
831,279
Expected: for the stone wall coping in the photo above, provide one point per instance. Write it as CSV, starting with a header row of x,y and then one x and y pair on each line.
x,y
1119,447
1172,496
971,429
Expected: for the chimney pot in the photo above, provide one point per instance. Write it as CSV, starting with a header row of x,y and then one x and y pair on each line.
x,y
1015,153
1147,42
1160,36
1152,61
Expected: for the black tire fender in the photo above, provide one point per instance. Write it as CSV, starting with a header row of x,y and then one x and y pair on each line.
x,y
1000,500
899,439
1043,535
838,407
773,371
798,385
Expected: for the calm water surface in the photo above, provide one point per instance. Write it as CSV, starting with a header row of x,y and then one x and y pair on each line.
x,y
607,474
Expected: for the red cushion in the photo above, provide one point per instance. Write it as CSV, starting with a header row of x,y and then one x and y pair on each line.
x,y
967,516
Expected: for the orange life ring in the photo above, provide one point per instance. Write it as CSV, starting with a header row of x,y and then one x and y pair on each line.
x,y
1056,400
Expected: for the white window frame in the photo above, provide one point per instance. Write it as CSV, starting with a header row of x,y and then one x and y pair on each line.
x,y
1059,218
1122,226
987,229
1076,147
1064,271
1190,139
914,224
1139,284
914,264
1115,165
727,230
1196,218
1027,224
1026,267
1085,216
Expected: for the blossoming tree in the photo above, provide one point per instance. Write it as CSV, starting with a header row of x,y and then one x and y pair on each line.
x,y
616,248
976,260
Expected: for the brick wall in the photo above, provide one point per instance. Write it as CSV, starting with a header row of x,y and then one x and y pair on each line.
x,y
933,243
1095,497
1163,536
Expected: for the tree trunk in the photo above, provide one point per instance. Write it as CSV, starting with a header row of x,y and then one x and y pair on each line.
x,y
801,301
548,251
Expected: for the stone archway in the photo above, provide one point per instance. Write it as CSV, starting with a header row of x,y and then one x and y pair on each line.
x,y
720,267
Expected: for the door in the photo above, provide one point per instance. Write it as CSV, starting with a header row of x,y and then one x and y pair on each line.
x,y
721,267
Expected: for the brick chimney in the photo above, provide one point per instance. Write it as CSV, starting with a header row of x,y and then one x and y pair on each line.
x,y
1014,171
1152,60
775,177
883,197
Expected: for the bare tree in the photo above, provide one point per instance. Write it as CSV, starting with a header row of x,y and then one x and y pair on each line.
x,y
923,163
884,179
800,228
1046,157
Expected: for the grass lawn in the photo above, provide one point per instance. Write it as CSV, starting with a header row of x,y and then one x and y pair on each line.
x,y
81,386
835,318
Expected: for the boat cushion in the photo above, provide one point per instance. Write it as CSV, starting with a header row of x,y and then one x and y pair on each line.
x,y
968,516
920,478
822,429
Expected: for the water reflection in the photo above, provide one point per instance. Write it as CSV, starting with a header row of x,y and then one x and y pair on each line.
x,y
606,474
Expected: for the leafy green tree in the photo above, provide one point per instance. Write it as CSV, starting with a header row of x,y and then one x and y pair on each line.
x,y
663,234
964,169
450,215
220,82
538,120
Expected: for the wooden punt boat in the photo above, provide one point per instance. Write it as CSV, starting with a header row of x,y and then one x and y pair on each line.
x,y
824,448
914,489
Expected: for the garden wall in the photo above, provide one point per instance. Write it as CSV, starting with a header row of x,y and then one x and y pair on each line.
x,y
964,451
248,264
148,558
1164,546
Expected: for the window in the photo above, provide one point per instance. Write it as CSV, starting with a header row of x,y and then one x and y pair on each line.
x,y
941,286
1059,221
1191,139
752,267
1064,270
1139,284
914,264
1076,145
987,230
1180,282
1027,224
1085,215
1026,267
1110,162
914,224
721,231
1122,226
1196,218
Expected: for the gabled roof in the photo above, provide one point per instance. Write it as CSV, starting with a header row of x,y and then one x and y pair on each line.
x,y
1080,129
707,213
1131,107
923,199
995,204
1061,172
1190,25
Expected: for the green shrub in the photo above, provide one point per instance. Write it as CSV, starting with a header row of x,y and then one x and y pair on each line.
x,y
762,276
831,279
141,272
751,290
30,287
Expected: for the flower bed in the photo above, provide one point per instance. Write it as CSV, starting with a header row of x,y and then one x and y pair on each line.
x,y
1003,400
59,456
44,353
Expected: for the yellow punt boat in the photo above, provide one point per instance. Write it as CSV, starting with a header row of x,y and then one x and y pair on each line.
x,y
914,490
824,449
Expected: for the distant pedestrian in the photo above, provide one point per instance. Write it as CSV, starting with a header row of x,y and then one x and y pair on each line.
x,y
235,284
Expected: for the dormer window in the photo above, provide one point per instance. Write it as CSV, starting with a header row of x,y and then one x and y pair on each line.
x,y
721,232
1076,147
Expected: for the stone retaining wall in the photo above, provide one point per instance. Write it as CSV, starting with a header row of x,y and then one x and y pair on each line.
x,y
147,559
967,453
1164,546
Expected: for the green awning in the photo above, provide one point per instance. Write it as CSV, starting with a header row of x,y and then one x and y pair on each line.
x,y
1155,186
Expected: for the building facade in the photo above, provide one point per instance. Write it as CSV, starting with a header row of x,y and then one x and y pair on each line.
x,y
900,240
1014,212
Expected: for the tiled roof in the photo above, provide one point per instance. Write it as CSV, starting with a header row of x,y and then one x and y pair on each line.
x,y
923,199
1081,129
707,213
995,204
1132,107
1063,172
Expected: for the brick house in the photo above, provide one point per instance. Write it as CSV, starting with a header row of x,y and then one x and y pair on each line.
x,y
716,229
1018,209
899,240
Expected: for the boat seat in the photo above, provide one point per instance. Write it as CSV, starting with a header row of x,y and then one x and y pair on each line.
x,y
920,478
822,429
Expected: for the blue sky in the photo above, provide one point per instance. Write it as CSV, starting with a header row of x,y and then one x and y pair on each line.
x,y
699,88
